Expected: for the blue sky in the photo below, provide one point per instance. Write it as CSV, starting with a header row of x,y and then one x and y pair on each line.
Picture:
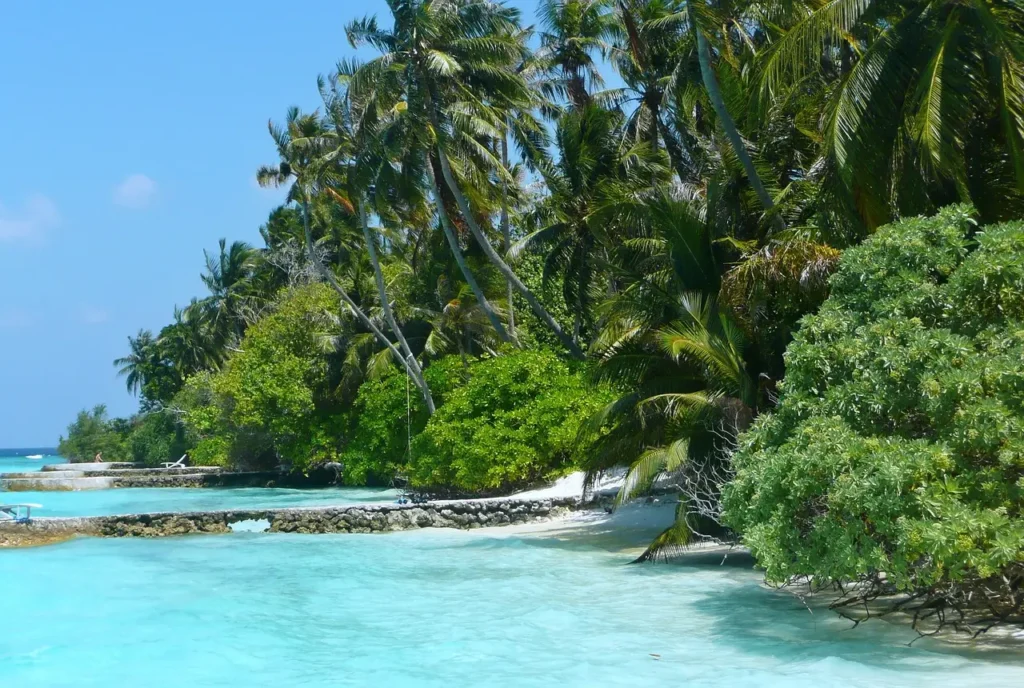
x,y
130,137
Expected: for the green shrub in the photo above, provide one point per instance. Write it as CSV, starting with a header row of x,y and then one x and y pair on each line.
x,y
93,432
514,422
157,437
212,451
201,411
215,440
275,390
377,449
898,445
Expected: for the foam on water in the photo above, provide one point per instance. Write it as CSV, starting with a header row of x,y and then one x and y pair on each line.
x,y
431,608
11,462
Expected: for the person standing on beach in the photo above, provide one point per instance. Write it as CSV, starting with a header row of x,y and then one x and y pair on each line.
x,y
99,457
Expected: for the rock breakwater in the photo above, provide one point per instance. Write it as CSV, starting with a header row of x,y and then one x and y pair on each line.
x,y
363,518
72,477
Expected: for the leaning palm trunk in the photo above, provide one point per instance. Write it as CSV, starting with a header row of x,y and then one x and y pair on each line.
x,y
496,260
655,118
413,365
353,306
506,236
673,149
460,258
718,103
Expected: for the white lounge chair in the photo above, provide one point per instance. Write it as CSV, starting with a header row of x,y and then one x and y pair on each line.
x,y
180,463
19,513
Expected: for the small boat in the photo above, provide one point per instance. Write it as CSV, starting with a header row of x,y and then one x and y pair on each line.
x,y
34,456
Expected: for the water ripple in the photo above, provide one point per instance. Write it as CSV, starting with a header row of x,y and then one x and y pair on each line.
x,y
429,609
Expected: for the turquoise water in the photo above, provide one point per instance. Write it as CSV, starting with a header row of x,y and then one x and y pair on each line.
x,y
130,500
143,500
431,608
18,463
426,608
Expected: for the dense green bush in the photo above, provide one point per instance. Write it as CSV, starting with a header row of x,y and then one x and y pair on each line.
x,y
157,437
93,432
898,445
204,418
514,422
149,438
274,390
273,402
377,448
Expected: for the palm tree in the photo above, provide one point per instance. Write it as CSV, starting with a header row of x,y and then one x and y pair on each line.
x,y
652,58
682,372
575,32
700,23
135,366
386,106
156,367
506,233
592,180
227,277
771,288
648,31
531,138
460,326
690,395
925,100
352,169
679,357
449,68
300,145
189,343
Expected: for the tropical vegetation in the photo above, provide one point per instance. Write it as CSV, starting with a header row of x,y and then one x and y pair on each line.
x,y
896,455
634,201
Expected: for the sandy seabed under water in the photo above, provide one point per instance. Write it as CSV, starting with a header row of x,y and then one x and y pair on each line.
x,y
543,604
537,605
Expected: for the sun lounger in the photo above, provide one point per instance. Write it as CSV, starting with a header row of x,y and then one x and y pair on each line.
x,y
19,513
180,463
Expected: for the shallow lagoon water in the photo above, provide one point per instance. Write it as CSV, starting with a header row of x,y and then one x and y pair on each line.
x,y
424,608
151,500
19,463
432,608
132,500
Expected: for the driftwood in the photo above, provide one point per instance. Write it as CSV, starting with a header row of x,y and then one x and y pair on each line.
x,y
969,607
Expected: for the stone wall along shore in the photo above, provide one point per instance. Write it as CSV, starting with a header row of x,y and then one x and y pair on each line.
x,y
190,476
369,518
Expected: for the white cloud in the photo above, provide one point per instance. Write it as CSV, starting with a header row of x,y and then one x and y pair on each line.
x,y
93,316
36,215
136,191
